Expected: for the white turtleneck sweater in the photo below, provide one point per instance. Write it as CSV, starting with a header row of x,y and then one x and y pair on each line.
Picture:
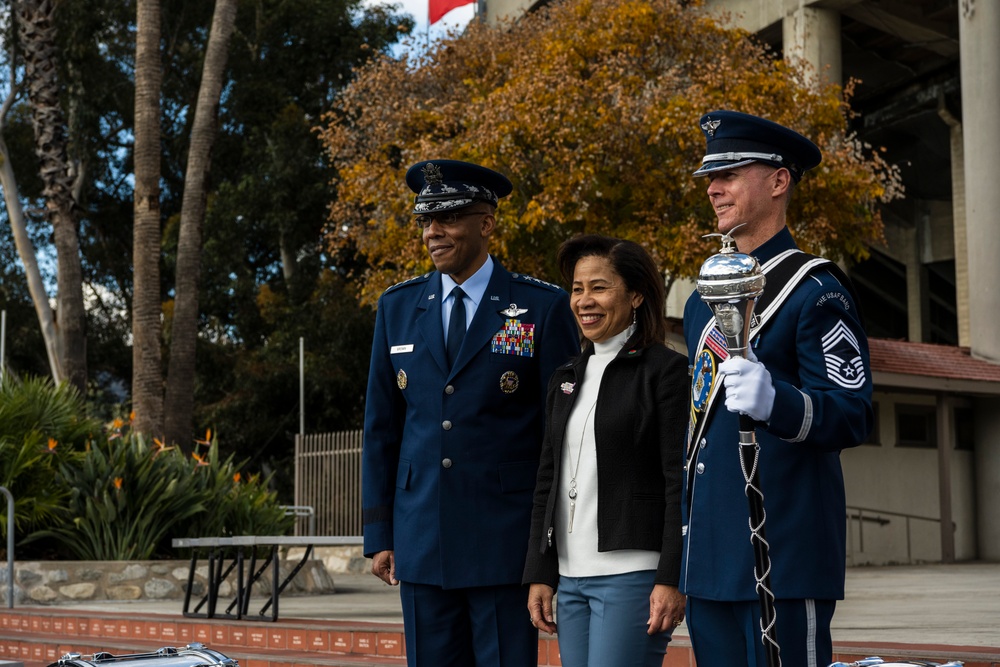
x,y
578,554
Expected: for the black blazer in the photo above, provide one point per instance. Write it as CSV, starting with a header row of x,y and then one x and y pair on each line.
x,y
640,426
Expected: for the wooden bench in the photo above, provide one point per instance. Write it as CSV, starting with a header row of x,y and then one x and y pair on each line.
x,y
226,554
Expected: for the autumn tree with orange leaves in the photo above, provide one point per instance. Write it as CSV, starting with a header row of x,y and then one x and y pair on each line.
x,y
591,108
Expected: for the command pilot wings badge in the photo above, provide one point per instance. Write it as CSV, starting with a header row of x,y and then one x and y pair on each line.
x,y
514,311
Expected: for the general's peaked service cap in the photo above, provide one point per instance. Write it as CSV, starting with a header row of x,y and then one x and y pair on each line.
x,y
736,139
445,185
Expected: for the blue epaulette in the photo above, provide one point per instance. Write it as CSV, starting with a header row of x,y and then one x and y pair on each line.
x,y
413,280
531,280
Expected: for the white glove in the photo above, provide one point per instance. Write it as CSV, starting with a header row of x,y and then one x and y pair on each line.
x,y
749,390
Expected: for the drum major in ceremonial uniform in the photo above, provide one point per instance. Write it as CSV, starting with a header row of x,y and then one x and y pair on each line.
x,y
815,392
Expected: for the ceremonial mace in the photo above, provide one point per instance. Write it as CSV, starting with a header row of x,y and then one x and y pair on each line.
x,y
730,283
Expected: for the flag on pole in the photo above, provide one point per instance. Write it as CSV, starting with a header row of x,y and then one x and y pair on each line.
x,y
438,8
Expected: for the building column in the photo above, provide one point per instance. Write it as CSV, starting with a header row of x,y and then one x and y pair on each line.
x,y
813,36
979,31
945,446
958,224
987,471
915,288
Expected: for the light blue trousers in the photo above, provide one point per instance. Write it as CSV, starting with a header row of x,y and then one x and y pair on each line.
x,y
602,621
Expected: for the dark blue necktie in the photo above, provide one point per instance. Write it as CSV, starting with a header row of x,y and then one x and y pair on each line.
x,y
456,326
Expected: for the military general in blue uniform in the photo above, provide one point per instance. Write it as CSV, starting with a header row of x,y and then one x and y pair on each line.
x,y
808,389
453,427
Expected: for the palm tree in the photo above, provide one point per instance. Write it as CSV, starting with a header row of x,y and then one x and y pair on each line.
x,y
184,330
147,379
36,34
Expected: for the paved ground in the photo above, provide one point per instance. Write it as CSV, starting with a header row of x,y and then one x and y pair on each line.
x,y
952,605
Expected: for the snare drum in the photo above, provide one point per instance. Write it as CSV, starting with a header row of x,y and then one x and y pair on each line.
x,y
868,662
192,655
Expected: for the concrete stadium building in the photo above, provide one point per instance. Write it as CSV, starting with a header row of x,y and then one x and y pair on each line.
x,y
926,487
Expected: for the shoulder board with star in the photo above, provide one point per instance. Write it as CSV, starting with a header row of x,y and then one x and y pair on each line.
x,y
531,280
414,280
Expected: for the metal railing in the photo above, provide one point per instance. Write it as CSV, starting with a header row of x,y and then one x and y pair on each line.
x,y
328,479
299,511
10,546
868,515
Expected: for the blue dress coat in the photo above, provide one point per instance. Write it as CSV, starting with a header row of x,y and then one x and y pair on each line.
x,y
450,455
817,354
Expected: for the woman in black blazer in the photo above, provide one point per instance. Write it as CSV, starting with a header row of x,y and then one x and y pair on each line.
x,y
606,521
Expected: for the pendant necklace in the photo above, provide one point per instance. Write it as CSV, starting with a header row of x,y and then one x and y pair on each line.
x,y
576,469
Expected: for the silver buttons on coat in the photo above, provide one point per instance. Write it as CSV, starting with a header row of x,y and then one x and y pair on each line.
x,y
446,463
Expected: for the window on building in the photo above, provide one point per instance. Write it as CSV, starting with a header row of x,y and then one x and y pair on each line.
x,y
965,437
881,285
942,312
916,426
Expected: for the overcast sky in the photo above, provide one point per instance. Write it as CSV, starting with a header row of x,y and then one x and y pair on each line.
x,y
456,18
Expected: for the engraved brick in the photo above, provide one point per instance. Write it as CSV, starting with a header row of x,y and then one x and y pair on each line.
x,y
390,643
365,642
320,641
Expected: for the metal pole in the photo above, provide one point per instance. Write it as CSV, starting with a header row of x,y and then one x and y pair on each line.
x,y
10,545
3,341
302,386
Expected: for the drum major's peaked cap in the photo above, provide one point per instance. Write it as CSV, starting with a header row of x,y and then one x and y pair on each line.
x,y
446,185
736,139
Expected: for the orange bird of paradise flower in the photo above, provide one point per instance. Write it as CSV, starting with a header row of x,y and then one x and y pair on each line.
x,y
160,447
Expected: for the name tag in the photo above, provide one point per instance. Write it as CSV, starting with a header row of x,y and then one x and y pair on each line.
x,y
401,349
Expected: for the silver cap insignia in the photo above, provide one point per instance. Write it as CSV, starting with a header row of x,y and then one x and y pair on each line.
x,y
710,126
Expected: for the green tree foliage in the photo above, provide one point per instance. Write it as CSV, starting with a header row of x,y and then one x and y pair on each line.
x,y
259,390
268,194
591,107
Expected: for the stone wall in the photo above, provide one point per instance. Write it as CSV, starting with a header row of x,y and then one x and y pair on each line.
x,y
55,582
337,559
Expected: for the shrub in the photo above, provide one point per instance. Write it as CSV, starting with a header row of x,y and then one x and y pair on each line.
x,y
128,498
241,504
110,494
41,429
125,498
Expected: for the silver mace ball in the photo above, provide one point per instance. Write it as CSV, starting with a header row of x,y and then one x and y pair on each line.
x,y
730,283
